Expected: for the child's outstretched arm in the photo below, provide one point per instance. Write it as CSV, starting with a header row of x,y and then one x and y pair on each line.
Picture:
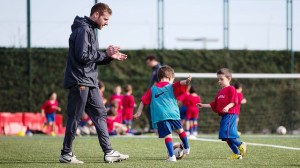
x,y
200,105
187,81
139,111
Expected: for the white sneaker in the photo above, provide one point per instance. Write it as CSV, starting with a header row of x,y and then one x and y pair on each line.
x,y
186,151
192,137
171,159
195,133
115,156
69,158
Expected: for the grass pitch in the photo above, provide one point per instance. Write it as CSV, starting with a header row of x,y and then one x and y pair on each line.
x,y
43,151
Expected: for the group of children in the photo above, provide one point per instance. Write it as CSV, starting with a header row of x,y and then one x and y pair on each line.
x,y
163,98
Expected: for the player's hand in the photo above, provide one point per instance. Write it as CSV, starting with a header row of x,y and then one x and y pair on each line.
x,y
58,109
199,105
119,56
137,114
225,110
188,80
111,50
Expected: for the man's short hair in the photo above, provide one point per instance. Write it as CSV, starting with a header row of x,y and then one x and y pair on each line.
x,y
101,8
151,58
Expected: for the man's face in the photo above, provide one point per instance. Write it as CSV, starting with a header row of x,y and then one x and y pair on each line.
x,y
150,63
102,20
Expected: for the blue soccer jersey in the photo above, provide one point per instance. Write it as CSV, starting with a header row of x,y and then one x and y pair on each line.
x,y
163,104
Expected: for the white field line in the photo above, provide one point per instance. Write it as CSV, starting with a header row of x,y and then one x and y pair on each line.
x,y
215,140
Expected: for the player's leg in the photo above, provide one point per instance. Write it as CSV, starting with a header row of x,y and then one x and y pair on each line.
x,y
76,104
97,112
236,153
165,131
184,140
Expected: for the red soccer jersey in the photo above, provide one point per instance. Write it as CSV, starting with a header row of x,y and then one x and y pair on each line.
x,y
119,99
110,123
192,110
191,101
224,97
240,98
177,89
128,106
183,97
50,107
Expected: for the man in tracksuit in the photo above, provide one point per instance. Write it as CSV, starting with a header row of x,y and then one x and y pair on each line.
x,y
81,78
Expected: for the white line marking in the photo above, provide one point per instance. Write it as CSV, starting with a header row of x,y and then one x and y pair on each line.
x,y
215,140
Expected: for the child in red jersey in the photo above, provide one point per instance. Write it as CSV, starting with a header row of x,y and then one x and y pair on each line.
x,y
192,112
49,109
128,106
117,97
225,105
241,100
113,127
182,104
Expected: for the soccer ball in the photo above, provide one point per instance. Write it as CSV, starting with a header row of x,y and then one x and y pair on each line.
x,y
281,130
178,150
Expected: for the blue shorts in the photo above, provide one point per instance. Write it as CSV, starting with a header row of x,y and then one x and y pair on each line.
x,y
166,127
50,117
228,128
182,112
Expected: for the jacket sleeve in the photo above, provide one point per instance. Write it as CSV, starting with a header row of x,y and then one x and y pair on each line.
x,y
106,59
83,48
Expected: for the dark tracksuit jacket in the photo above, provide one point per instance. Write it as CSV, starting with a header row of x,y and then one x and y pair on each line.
x,y
81,78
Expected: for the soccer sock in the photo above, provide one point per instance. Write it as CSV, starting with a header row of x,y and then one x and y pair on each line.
x,y
195,129
169,145
236,142
232,147
184,140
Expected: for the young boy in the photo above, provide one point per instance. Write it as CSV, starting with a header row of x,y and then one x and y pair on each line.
x,y
164,109
49,109
225,105
241,100
192,112
117,97
128,106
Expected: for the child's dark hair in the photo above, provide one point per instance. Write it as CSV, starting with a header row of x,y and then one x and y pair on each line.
x,y
50,94
127,88
113,109
238,85
100,84
225,71
165,72
192,89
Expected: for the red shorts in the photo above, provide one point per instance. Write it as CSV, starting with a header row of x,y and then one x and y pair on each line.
x,y
192,113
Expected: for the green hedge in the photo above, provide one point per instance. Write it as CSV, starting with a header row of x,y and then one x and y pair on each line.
x,y
271,102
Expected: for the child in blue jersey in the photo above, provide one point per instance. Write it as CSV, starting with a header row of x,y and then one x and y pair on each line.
x,y
164,109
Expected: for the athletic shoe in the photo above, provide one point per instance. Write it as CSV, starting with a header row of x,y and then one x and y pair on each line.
x,y
191,137
171,159
236,156
185,151
242,148
115,156
69,158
